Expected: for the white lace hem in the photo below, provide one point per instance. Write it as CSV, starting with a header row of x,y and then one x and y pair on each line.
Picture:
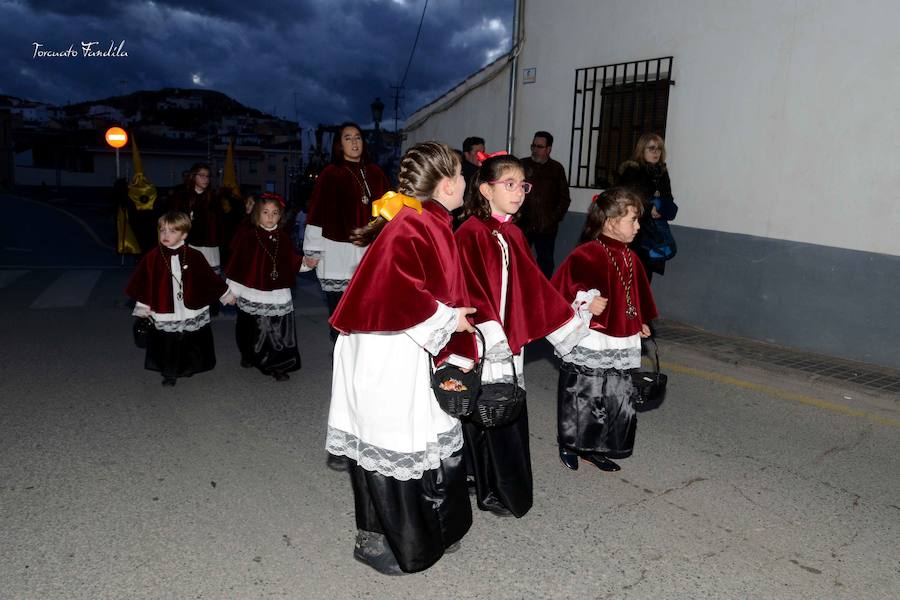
x,y
334,285
399,465
190,324
260,309
263,303
612,358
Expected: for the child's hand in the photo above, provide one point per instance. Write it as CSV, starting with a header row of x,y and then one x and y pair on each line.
x,y
310,262
462,323
229,298
598,305
645,330
142,312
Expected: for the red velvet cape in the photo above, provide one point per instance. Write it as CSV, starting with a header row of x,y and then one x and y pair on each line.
x,y
152,285
205,212
251,266
336,203
411,266
588,267
533,307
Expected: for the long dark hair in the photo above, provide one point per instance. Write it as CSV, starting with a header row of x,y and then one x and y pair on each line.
x,y
421,170
337,152
612,203
490,170
192,174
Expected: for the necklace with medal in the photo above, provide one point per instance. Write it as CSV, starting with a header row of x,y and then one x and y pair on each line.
x,y
181,259
362,181
630,310
273,236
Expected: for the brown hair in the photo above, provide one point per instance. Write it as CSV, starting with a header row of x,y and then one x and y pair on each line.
x,y
421,170
490,170
642,144
258,205
177,220
612,203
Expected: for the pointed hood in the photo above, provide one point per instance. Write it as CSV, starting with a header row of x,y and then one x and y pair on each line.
x,y
140,190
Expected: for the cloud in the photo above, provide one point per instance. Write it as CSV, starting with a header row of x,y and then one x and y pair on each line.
x,y
327,58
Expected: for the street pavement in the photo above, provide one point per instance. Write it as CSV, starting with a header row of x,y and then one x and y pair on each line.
x,y
746,483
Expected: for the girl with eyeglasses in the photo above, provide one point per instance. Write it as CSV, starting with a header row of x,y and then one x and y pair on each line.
x,y
195,199
515,304
647,175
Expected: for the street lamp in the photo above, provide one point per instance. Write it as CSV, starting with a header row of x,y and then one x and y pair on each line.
x,y
377,112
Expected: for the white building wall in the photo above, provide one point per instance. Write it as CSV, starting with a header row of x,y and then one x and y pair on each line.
x,y
782,122
458,115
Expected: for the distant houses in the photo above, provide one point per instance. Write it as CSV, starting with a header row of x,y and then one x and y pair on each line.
x,y
64,145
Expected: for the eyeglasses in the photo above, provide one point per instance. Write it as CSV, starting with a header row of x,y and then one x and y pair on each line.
x,y
538,146
511,185
654,148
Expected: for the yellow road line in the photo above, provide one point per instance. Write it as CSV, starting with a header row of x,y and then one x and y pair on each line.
x,y
783,394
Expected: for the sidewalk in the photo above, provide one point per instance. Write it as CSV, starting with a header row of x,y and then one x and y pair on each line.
x,y
815,368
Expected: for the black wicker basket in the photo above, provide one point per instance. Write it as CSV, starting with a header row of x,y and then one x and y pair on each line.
x,y
141,331
650,386
499,404
455,389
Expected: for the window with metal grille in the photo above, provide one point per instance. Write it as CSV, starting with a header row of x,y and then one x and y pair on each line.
x,y
613,106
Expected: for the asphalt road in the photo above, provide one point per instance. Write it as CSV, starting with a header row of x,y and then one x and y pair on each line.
x,y
744,484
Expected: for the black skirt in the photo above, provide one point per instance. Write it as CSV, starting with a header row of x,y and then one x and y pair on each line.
x,y
180,353
419,518
268,343
595,410
500,459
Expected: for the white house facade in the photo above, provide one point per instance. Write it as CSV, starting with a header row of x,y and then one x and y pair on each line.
x,y
781,134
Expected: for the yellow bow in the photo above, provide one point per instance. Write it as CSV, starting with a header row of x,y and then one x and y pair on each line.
x,y
390,204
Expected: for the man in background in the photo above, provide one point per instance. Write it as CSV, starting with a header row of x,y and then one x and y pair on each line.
x,y
547,204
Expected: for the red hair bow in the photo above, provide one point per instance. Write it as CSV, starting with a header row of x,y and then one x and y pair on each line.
x,y
272,196
483,156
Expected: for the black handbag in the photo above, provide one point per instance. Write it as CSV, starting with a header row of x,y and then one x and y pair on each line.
x,y
499,404
650,386
141,331
455,389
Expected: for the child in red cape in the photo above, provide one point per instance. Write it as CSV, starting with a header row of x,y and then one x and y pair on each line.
x,y
261,272
515,304
405,301
173,286
606,284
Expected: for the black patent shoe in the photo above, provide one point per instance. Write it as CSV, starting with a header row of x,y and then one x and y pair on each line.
x,y
372,549
568,458
601,462
337,463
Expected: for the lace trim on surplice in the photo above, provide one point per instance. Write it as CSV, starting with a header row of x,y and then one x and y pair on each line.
x,y
192,324
261,309
615,358
334,285
399,465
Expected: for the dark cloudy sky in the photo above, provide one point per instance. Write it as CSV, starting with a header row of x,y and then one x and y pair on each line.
x,y
336,55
